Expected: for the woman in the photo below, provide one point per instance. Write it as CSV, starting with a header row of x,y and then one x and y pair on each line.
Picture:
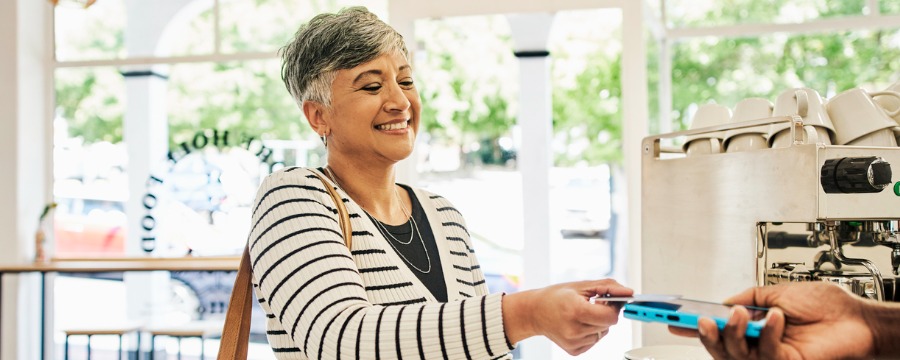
x,y
410,287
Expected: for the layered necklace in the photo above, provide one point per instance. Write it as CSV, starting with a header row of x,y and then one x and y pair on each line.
x,y
413,227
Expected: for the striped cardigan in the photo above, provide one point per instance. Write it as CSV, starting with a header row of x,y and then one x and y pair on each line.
x,y
324,301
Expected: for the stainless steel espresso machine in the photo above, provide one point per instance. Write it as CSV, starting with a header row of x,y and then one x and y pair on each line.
x,y
716,224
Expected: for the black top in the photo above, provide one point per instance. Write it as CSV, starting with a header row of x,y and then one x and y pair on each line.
x,y
412,248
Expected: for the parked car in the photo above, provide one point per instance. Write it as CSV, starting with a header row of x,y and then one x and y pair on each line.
x,y
585,204
89,227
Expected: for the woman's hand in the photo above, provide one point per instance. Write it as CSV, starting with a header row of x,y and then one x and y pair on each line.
x,y
563,313
807,321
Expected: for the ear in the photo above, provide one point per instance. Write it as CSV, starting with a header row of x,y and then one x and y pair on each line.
x,y
315,114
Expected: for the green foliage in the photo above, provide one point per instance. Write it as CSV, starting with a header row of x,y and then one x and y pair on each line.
x,y
88,100
468,83
246,98
890,6
728,70
590,112
693,13
467,96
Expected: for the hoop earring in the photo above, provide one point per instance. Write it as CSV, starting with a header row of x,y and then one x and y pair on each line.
x,y
324,141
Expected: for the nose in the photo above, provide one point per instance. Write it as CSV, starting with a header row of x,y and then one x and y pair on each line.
x,y
396,99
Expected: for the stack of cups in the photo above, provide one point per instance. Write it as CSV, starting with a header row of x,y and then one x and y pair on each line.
x,y
751,138
808,105
891,106
707,143
858,120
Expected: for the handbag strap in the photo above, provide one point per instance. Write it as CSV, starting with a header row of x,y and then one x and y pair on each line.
x,y
343,214
236,332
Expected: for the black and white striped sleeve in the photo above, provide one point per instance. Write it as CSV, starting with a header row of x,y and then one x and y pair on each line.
x,y
313,289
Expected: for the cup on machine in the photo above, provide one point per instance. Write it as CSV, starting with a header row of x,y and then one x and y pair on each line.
x,y
752,138
707,143
891,105
808,105
858,120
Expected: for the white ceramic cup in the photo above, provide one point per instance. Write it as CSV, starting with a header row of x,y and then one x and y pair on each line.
x,y
707,143
810,135
891,104
746,142
883,137
703,146
809,106
668,352
752,138
855,115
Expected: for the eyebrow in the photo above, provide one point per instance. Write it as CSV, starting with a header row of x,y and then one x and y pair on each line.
x,y
377,72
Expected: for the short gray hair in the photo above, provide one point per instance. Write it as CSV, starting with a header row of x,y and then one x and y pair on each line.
x,y
331,42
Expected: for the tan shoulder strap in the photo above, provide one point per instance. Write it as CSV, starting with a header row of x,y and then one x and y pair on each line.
x,y
236,332
343,214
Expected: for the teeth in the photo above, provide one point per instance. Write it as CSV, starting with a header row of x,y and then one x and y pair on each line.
x,y
395,126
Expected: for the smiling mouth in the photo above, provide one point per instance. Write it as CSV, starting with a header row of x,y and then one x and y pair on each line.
x,y
394,126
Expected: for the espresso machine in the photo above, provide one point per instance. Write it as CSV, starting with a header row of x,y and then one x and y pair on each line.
x,y
716,224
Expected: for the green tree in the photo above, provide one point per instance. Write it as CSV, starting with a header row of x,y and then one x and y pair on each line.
x,y
245,98
726,70
589,112
89,99
467,96
90,103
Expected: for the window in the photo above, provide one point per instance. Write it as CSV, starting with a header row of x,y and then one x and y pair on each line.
x,y
728,70
689,13
224,104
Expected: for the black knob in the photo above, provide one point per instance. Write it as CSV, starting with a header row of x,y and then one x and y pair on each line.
x,y
783,240
852,175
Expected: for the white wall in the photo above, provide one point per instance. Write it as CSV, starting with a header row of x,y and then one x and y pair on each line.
x,y
24,150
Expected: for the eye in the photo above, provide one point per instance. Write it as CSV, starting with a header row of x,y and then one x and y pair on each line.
x,y
372,87
407,83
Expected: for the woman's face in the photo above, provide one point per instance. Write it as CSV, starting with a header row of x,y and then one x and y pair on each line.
x,y
374,110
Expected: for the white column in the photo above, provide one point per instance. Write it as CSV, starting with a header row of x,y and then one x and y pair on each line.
x,y
146,140
665,85
146,125
634,129
403,21
530,34
146,137
25,180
